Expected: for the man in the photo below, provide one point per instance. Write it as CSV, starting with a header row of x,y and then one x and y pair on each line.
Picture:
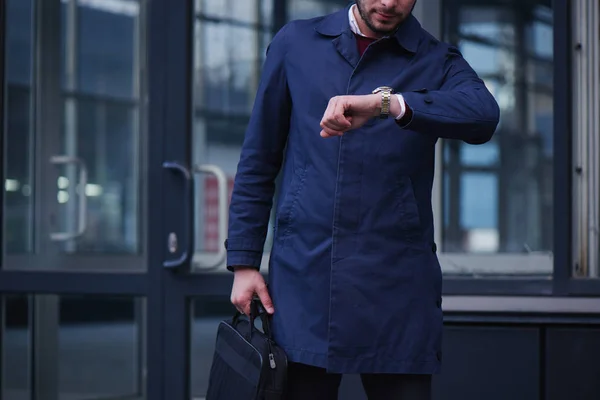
x,y
350,107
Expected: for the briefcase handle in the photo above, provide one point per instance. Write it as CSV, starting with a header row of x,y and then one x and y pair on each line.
x,y
261,312
257,310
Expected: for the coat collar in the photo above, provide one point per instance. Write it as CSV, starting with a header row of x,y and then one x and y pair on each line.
x,y
336,24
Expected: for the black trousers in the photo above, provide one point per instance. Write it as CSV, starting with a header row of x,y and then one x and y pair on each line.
x,y
312,383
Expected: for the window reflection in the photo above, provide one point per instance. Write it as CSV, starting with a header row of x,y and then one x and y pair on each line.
x,y
300,9
229,66
18,174
101,65
95,96
108,148
477,213
247,11
492,24
497,196
17,346
82,347
229,50
107,65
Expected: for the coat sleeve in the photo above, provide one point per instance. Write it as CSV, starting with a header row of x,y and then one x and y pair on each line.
x,y
260,161
463,108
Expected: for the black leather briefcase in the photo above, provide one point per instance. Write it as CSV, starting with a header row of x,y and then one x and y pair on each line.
x,y
247,363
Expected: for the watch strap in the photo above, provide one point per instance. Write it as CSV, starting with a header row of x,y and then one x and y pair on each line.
x,y
386,97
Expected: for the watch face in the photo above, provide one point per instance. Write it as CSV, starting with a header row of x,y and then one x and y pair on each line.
x,y
382,88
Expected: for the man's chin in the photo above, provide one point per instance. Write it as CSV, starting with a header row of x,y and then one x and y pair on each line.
x,y
382,29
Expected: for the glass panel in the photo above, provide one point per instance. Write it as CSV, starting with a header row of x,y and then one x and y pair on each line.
x,y
488,60
496,195
82,347
16,348
477,213
248,11
87,122
107,142
101,348
492,24
102,63
206,316
473,156
228,66
105,66
300,9
229,50
18,145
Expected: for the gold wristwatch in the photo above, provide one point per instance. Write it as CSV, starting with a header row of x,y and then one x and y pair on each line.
x,y
386,96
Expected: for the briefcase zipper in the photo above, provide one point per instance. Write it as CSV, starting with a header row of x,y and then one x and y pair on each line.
x,y
271,356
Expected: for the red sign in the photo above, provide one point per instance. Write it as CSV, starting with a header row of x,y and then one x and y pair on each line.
x,y
212,243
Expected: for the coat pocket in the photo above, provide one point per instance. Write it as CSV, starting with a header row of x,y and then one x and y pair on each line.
x,y
406,206
287,211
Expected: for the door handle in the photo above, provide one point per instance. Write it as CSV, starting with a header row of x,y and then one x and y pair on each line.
x,y
82,203
186,254
222,211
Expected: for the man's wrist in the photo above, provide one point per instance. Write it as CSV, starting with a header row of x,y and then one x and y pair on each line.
x,y
375,104
397,105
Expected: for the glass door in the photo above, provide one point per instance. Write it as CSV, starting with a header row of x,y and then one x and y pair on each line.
x,y
74,135
227,46
87,235
228,50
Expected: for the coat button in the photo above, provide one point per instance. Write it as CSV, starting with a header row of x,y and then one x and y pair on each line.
x,y
434,247
428,99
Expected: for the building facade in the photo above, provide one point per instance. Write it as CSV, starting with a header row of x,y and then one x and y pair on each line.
x,y
122,123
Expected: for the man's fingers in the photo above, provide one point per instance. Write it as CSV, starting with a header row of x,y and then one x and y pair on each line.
x,y
327,132
331,128
334,124
339,115
241,301
334,117
265,299
247,282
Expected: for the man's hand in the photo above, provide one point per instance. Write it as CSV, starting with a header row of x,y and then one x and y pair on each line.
x,y
344,113
351,112
246,282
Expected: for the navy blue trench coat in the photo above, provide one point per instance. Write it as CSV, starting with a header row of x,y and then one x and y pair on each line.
x,y
353,274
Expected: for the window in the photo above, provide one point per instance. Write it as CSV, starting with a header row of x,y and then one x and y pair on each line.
x,y
97,108
229,50
495,201
301,9
101,121
18,185
230,42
